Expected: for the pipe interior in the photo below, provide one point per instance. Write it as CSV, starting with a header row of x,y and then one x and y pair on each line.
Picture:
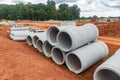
x,y
106,74
39,45
64,40
53,34
35,38
58,56
73,62
29,40
48,48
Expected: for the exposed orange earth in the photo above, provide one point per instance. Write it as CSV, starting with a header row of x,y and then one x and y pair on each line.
x,y
19,61
111,29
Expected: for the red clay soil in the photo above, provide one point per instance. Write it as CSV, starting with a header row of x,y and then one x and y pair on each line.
x,y
112,29
19,61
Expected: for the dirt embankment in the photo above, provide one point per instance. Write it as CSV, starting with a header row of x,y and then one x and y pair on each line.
x,y
112,29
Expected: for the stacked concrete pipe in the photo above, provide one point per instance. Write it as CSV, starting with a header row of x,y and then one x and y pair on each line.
x,y
82,58
110,69
19,33
78,47
18,29
55,32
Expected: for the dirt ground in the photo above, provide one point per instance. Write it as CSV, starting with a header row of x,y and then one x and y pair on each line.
x,y
19,61
112,43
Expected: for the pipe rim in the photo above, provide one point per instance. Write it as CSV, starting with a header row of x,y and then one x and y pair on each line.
x,y
107,68
106,49
39,45
73,67
51,36
29,40
67,45
47,51
35,38
58,58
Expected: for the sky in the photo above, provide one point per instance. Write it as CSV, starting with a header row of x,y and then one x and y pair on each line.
x,y
101,8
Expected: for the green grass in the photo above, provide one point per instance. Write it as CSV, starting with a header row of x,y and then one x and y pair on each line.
x,y
2,25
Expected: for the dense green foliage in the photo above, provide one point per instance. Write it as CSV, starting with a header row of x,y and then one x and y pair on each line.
x,y
39,11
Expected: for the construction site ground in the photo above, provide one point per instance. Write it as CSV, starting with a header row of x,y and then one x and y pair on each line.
x,y
19,61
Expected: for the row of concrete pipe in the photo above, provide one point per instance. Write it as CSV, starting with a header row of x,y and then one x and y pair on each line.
x,y
78,48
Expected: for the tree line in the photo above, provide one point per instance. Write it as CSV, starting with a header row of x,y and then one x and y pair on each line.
x,y
39,11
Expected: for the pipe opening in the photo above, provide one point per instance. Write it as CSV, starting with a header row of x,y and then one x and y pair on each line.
x,y
73,62
58,56
29,40
39,45
52,34
64,40
106,74
35,38
47,49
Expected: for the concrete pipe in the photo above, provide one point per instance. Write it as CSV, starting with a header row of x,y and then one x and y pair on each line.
x,y
19,28
58,56
38,36
29,38
80,59
72,38
17,38
47,47
39,43
53,31
24,33
110,69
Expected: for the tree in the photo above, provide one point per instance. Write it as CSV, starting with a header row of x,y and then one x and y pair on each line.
x,y
95,17
74,12
51,9
39,11
63,11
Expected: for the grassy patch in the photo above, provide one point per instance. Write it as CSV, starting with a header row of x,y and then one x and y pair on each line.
x,y
2,25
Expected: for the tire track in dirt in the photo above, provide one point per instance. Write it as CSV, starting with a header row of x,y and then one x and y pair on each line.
x,y
112,42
